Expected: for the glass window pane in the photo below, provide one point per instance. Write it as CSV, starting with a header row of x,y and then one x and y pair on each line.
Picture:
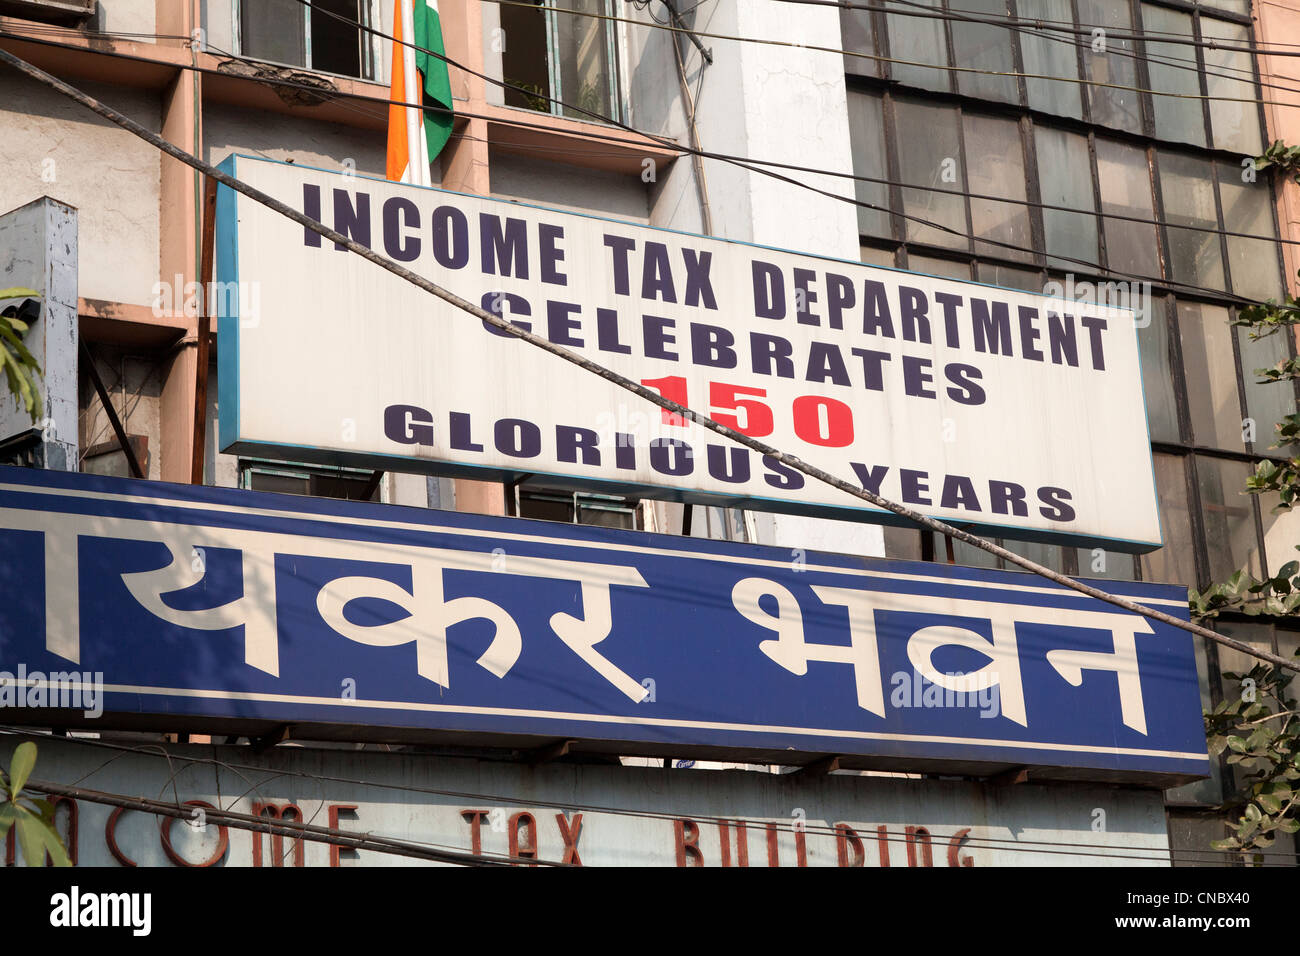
x,y
859,36
979,46
1065,174
867,139
934,266
966,555
1009,277
336,44
1173,69
1211,375
1048,555
1234,121
525,60
1108,59
582,47
1187,188
903,544
1100,563
273,30
1125,180
1050,53
1158,376
919,40
995,166
876,257
1175,563
1229,516
930,155
1248,208
1270,402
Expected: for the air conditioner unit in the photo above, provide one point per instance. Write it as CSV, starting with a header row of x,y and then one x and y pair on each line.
x,y
49,11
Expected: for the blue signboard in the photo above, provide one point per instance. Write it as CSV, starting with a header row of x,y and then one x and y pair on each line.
x,y
173,602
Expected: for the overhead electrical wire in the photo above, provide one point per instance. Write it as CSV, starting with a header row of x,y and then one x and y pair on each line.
x,y
649,394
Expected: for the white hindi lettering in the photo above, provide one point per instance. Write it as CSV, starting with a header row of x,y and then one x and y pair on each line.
x,y
430,614
791,651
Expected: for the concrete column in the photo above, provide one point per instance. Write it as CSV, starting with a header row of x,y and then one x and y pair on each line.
x,y
180,188
38,251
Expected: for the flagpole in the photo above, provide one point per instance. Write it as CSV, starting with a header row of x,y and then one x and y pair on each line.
x,y
417,172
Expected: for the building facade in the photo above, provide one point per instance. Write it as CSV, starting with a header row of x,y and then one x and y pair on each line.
x,y
1101,146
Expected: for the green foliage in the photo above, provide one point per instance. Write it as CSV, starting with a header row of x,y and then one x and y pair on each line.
x,y
31,819
1259,731
20,366
1282,158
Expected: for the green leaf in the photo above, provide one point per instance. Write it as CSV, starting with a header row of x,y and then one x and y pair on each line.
x,y
29,827
18,293
7,813
1270,803
54,846
20,767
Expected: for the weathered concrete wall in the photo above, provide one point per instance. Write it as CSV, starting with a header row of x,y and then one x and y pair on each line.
x,y
126,16
52,147
230,129
38,251
618,195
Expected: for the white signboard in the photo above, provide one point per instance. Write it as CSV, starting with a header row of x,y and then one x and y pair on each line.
x,y
983,406
579,815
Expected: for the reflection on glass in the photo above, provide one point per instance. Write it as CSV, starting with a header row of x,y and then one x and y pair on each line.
x,y
1173,70
1131,247
980,46
1108,59
1065,172
919,40
1229,517
1234,119
1187,187
859,37
1211,373
997,168
1248,208
1045,55
867,140
583,52
930,156
1175,562
1158,377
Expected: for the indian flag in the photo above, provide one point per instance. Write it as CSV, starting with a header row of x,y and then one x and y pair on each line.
x,y
417,136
